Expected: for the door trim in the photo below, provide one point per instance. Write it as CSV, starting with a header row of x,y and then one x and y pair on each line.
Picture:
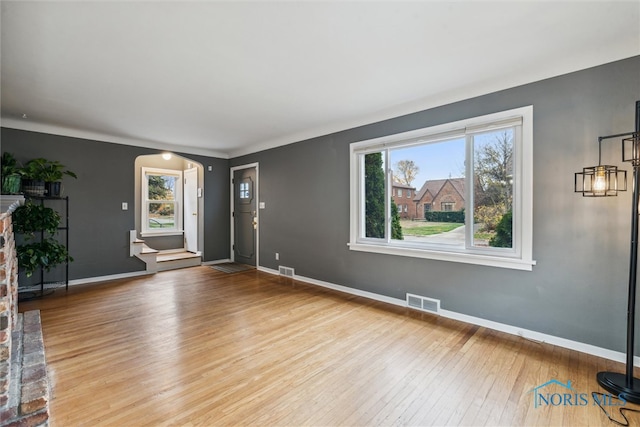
x,y
231,200
185,221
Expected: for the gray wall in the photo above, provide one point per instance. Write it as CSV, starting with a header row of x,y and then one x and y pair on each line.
x,y
99,228
578,288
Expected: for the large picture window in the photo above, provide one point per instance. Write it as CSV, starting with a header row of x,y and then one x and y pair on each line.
x,y
472,201
162,196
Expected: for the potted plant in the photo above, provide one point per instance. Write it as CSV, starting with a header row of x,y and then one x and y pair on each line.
x,y
52,173
32,180
42,176
10,174
46,253
32,217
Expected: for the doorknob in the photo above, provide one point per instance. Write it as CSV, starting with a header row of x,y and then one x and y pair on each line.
x,y
255,222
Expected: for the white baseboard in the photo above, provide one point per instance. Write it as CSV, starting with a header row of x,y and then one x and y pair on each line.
x,y
509,329
98,279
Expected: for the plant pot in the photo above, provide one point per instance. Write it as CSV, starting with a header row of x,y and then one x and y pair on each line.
x,y
11,184
53,189
32,187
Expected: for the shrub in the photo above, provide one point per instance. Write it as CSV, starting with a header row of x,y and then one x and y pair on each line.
x,y
504,230
442,216
489,216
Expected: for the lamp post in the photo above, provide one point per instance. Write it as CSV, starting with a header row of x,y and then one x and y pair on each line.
x,y
606,180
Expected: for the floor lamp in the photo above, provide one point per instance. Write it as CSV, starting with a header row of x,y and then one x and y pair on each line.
x,y
607,180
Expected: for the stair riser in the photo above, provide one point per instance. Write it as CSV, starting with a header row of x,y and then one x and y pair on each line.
x,y
178,263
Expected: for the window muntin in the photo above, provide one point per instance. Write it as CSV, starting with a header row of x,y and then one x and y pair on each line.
x,y
162,197
464,146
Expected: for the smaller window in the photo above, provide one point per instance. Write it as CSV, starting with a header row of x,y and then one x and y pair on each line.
x,y
447,206
162,196
245,191
399,192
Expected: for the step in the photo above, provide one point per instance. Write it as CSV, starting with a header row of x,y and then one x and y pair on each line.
x,y
174,260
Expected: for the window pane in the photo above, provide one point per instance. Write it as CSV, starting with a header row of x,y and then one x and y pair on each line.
x,y
435,174
245,192
493,189
161,215
162,187
374,183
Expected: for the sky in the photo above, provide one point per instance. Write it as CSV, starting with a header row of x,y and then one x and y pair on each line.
x,y
442,159
436,161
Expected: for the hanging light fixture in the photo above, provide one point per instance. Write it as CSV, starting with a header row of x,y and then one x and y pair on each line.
x,y
606,180
601,180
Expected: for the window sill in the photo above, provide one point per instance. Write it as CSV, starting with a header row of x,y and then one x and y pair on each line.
x,y
467,258
161,233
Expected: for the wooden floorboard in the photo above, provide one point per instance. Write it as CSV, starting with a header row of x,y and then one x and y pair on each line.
x,y
198,347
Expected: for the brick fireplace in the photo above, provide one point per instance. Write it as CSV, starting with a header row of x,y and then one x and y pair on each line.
x,y
24,385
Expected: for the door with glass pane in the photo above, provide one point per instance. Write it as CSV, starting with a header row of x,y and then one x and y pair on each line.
x,y
245,216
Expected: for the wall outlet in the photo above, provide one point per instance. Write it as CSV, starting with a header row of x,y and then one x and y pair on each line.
x,y
125,206
277,256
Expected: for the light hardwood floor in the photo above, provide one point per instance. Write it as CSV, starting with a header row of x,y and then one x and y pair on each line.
x,y
197,347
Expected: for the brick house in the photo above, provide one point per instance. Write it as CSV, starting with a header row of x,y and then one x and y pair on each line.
x,y
403,196
439,195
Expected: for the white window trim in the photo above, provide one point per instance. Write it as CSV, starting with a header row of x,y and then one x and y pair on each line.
x,y
178,231
520,259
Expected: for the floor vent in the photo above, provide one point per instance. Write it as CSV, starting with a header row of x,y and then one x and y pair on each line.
x,y
423,303
286,271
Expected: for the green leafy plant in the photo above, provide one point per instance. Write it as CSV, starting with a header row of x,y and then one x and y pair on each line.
x,y
32,217
45,254
11,170
41,169
10,165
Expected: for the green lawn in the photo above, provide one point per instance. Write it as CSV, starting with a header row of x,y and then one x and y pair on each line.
x,y
428,228
423,228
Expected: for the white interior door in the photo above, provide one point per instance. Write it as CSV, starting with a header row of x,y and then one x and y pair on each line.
x,y
191,210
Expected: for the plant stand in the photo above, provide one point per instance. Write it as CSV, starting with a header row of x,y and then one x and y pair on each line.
x,y
28,292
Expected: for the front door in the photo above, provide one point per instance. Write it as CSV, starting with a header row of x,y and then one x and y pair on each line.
x,y
245,216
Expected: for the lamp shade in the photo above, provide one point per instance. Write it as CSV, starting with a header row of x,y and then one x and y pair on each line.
x,y
600,181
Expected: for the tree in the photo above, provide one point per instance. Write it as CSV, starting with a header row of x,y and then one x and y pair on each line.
x,y
396,227
494,172
406,171
493,189
158,188
374,178
374,195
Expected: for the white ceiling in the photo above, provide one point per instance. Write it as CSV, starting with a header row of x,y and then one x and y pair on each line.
x,y
230,78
